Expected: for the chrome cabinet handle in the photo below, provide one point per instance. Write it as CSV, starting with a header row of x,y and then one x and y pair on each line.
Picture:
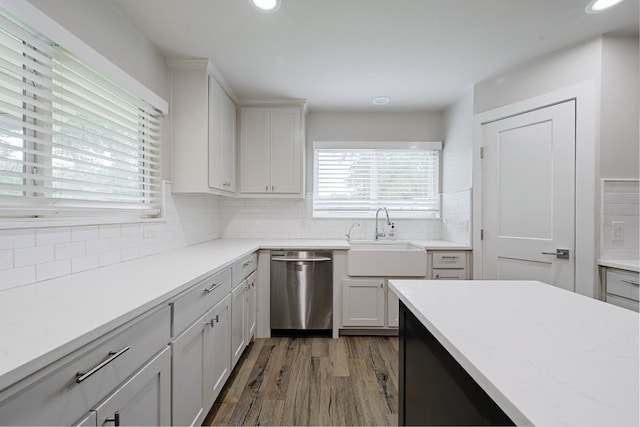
x,y
113,355
247,263
560,253
211,289
631,282
450,257
115,420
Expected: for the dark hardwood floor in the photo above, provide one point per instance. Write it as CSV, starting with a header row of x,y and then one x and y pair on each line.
x,y
312,381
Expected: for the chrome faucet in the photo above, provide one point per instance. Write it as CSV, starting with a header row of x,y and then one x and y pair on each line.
x,y
381,233
351,228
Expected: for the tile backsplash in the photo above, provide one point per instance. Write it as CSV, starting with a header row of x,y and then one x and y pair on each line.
x,y
30,255
292,219
456,216
620,223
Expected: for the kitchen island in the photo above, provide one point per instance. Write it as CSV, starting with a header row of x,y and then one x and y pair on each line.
x,y
514,352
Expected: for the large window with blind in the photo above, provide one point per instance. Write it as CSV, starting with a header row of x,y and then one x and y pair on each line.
x,y
72,142
354,179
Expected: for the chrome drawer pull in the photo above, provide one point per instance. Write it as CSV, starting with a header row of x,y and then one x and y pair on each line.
x,y
212,288
247,263
631,282
113,355
450,257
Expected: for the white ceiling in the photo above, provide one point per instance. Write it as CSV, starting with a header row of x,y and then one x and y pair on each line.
x,y
340,54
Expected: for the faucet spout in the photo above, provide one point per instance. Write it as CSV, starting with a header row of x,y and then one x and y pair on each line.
x,y
351,228
381,233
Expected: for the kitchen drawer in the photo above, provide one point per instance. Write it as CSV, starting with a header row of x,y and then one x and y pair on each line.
x,y
57,395
449,259
446,274
622,302
242,269
622,283
200,298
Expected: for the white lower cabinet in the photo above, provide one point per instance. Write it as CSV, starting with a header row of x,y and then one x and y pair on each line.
x,y
165,367
238,319
201,364
621,288
66,391
363,302
145,399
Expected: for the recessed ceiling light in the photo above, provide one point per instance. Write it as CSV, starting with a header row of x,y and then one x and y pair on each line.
x,y
381,100
596,6
266,6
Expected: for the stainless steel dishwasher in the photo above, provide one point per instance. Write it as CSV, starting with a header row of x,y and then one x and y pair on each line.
x,y
301,291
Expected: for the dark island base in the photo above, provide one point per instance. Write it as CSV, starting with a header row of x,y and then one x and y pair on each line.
x,y
433,388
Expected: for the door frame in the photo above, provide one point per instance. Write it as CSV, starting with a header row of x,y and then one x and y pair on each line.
x,y
586,191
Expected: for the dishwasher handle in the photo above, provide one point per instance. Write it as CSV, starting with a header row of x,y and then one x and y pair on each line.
x,y
287,259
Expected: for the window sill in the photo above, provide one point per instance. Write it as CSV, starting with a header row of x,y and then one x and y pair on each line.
x,y
11,224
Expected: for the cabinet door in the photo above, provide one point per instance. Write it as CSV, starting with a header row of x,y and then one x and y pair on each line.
x,y
393,309
190,356
238,342
229,143
144,399
255,155
217,178
363,302
218,348
286,146
222,135
251,308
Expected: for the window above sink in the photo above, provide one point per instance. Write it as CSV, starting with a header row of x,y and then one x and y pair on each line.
x,y
354,179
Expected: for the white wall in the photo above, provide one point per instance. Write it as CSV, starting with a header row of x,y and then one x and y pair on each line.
x,y
619,130
103,27
457,153
540,76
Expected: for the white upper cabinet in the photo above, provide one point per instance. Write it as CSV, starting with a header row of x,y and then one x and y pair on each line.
x,y
272,152
203,131
222,139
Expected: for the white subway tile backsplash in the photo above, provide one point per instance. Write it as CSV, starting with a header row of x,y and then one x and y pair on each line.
x,y
85,263
17,277
6,259
620,203
33,256
109,231
69,250
52,236
85,233
109,258
54,269
98,246
22,238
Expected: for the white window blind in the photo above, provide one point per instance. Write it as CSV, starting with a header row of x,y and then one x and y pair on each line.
x,y
353,181
72,142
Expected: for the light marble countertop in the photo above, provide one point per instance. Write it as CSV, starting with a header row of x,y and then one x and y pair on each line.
x,y
624,264
545,355
42,322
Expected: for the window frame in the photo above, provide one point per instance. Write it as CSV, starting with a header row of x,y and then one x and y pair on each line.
x,y
22,212
377,145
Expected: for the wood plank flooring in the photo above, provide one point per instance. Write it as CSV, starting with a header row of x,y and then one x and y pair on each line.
x,y
312,381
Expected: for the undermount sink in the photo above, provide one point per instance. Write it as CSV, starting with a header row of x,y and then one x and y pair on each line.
x,y
386,259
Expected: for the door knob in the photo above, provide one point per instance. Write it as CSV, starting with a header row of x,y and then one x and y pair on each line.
x,y
560,253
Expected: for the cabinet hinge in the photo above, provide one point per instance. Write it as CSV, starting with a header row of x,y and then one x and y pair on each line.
x,y
482,152
482,234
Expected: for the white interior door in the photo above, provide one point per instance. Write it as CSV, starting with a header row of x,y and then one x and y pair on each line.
x,y
529,196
